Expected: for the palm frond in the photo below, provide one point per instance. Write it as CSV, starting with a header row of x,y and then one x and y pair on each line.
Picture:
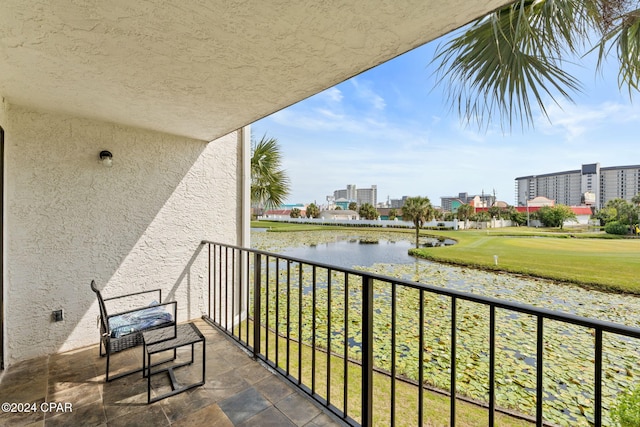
x,y
502,62
623,33
270,185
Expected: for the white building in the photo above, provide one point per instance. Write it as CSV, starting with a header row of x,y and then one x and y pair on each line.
x,y
367,195
590,185
349,193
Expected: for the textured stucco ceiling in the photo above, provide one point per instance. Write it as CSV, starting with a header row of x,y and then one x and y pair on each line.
x,y
202,68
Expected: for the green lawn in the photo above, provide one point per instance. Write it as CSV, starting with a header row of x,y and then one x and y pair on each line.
x,y
612,264
597,260
285,226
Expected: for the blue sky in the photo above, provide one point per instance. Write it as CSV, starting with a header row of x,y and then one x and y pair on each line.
x,y
390,127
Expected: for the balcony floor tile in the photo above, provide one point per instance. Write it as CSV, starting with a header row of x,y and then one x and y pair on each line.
x,y
238,392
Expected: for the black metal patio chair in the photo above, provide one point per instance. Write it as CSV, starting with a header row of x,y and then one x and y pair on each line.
x,y
122,329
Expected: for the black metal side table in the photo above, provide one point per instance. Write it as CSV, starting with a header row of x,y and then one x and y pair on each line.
x,y
159,340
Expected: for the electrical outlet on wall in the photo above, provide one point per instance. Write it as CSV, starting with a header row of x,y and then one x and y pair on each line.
x,y
57,315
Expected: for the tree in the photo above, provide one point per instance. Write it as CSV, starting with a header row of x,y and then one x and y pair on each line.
x,y
503,60
269,183
417,210
313,211
606,215
368,211
555,216
353,206
626,213
393,214
520,218
495,212
464,212
482,216
295,213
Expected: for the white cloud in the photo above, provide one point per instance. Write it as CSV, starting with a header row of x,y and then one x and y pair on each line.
x,y
332,95
576,121
364,92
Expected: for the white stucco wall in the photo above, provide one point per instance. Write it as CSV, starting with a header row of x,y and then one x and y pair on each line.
x,y
134,226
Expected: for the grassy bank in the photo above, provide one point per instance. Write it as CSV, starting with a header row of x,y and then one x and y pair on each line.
x,y
285,226
594,260
610,264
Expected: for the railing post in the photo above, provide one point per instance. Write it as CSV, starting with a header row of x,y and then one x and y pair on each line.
x,y
257,278
209,278
367,351
454,357
540,372
598,378
492,364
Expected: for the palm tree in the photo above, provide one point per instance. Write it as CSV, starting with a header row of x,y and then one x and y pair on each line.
x,y
501,61
417,210
269,183
313,211
464,212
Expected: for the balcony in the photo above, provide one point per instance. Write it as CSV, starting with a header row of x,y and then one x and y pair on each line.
x,y
374,349
238,391
317,357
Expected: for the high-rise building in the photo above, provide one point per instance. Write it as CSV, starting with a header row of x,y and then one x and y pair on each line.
x,y
367,195
590,185
358,195
348,194
398,203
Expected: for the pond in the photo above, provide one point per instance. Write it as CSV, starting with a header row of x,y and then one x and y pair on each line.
x,y
387,253
568,350
349,251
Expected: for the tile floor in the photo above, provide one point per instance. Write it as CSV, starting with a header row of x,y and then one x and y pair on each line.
x,y
238,392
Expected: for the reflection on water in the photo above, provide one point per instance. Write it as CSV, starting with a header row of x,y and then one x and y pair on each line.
x,y
350,253
345,249
356,252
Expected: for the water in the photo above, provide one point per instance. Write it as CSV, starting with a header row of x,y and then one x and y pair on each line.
x,y
343,249
353,252
389,256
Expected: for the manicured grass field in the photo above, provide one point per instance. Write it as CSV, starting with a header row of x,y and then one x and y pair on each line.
x,y
595,260
612,264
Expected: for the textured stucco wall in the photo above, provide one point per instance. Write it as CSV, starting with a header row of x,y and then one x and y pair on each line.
x,y
2,111
2,290
134,226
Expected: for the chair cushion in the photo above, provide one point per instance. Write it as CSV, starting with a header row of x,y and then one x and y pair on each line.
x,y
138,321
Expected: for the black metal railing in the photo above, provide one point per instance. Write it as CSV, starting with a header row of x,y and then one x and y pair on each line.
x,y
368,347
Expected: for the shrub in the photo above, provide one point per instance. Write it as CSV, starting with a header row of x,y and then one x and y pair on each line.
x,y
295,213
626,411
615,227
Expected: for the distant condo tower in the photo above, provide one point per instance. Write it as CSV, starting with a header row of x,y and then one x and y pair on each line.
x,y
591,185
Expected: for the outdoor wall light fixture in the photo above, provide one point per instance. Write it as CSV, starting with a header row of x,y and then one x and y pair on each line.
x,y
106,158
